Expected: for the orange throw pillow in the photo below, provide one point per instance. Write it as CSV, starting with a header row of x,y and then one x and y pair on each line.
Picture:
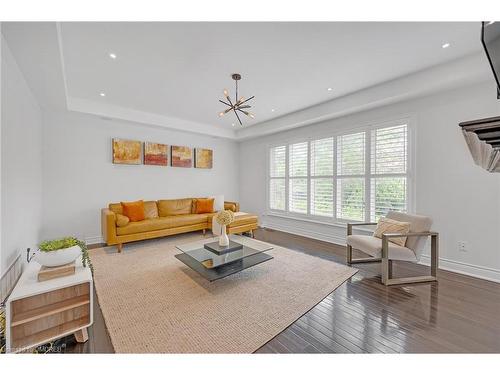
x,y
204,206
134,210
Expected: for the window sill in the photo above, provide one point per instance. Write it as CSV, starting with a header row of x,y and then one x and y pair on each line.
x,y
310,220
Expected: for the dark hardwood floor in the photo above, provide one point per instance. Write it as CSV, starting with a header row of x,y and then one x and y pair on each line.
x,y
459,314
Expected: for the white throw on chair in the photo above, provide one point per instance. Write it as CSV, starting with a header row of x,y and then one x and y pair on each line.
x,y
381,250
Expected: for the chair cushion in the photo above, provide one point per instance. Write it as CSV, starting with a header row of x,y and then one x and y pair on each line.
x,y
169,207
373,247
417,224
386,225
133,210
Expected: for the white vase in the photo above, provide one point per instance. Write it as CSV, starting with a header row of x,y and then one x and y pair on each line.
x,y
58,257
223,238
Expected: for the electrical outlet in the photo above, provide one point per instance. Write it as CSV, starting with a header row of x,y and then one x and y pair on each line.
x,y
462,246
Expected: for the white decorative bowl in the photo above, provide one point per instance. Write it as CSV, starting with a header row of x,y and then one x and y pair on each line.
x,y
58,257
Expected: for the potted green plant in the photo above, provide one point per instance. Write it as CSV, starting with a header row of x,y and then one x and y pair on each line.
x,y
62,251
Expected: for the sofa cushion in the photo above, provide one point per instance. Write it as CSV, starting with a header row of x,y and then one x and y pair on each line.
x,y
170,207
203,205
159,223
150,210
134,210
121,220
116,208
373,247
146,225
242,218
191,219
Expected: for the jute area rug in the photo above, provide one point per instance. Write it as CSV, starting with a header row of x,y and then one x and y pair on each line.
x,y
153,303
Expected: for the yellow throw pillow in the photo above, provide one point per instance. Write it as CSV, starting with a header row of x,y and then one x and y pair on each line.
x,y
121,220
392,226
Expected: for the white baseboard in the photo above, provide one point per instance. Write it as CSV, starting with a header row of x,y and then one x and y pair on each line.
x,y
94,240
480,272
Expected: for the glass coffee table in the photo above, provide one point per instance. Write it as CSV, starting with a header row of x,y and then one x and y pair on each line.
x,y
213,265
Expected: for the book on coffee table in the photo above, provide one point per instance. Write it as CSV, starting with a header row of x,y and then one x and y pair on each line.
x,y
215,248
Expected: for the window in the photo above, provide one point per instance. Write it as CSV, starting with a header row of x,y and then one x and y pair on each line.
x,y
321,185
388,175
298,170
349,177
277,178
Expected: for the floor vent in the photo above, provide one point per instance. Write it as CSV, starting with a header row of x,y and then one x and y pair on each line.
x,y
483,139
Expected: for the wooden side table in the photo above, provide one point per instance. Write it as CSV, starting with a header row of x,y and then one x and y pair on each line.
x,y
39,312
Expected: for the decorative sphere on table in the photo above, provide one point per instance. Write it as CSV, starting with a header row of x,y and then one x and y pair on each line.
x,y
224,217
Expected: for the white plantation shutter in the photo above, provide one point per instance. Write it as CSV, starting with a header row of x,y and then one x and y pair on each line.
x,y
278,161
351,154
389,159
298,154
298,160
277,169
321,188
351,176
389,150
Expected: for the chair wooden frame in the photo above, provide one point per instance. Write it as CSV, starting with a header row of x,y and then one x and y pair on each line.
x,y
387,278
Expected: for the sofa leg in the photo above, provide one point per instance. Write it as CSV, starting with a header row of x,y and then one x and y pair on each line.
x,y
252,234
119,246
204,231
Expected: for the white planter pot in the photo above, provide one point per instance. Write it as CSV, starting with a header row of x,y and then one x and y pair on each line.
x,y
58,257
223,238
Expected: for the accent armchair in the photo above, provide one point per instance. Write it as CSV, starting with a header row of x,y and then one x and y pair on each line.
x,y
381,250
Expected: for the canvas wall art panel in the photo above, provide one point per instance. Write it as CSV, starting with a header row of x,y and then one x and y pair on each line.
x,y
203,158
155,154
182,156
126,151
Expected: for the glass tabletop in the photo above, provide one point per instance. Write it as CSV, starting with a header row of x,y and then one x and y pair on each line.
x,y
211,260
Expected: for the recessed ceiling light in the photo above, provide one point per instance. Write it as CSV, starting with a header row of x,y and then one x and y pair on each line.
x,y
102,94
446,45
329,89
232,124
272,110
112,55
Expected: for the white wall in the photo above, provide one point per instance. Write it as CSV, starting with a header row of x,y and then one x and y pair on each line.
x,y
462,199
79,177
21,163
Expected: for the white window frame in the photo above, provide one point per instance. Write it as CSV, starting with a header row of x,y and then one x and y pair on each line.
x,y
409,120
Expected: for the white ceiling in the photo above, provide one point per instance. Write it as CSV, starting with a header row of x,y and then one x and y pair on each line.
x,y
172,74
180,69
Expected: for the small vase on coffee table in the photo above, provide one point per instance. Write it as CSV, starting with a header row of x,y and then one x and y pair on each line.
x,y
223,238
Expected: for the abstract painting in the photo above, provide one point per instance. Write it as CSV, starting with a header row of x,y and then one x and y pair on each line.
x,y
203,158
182,157
126,151
155,154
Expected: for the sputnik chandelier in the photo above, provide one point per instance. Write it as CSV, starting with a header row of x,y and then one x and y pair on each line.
x,y
239,103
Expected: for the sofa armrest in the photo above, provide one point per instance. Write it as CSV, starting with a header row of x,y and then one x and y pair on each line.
x,y
108,226
233,206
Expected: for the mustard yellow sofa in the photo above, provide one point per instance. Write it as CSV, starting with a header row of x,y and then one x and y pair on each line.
x,y
167,217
